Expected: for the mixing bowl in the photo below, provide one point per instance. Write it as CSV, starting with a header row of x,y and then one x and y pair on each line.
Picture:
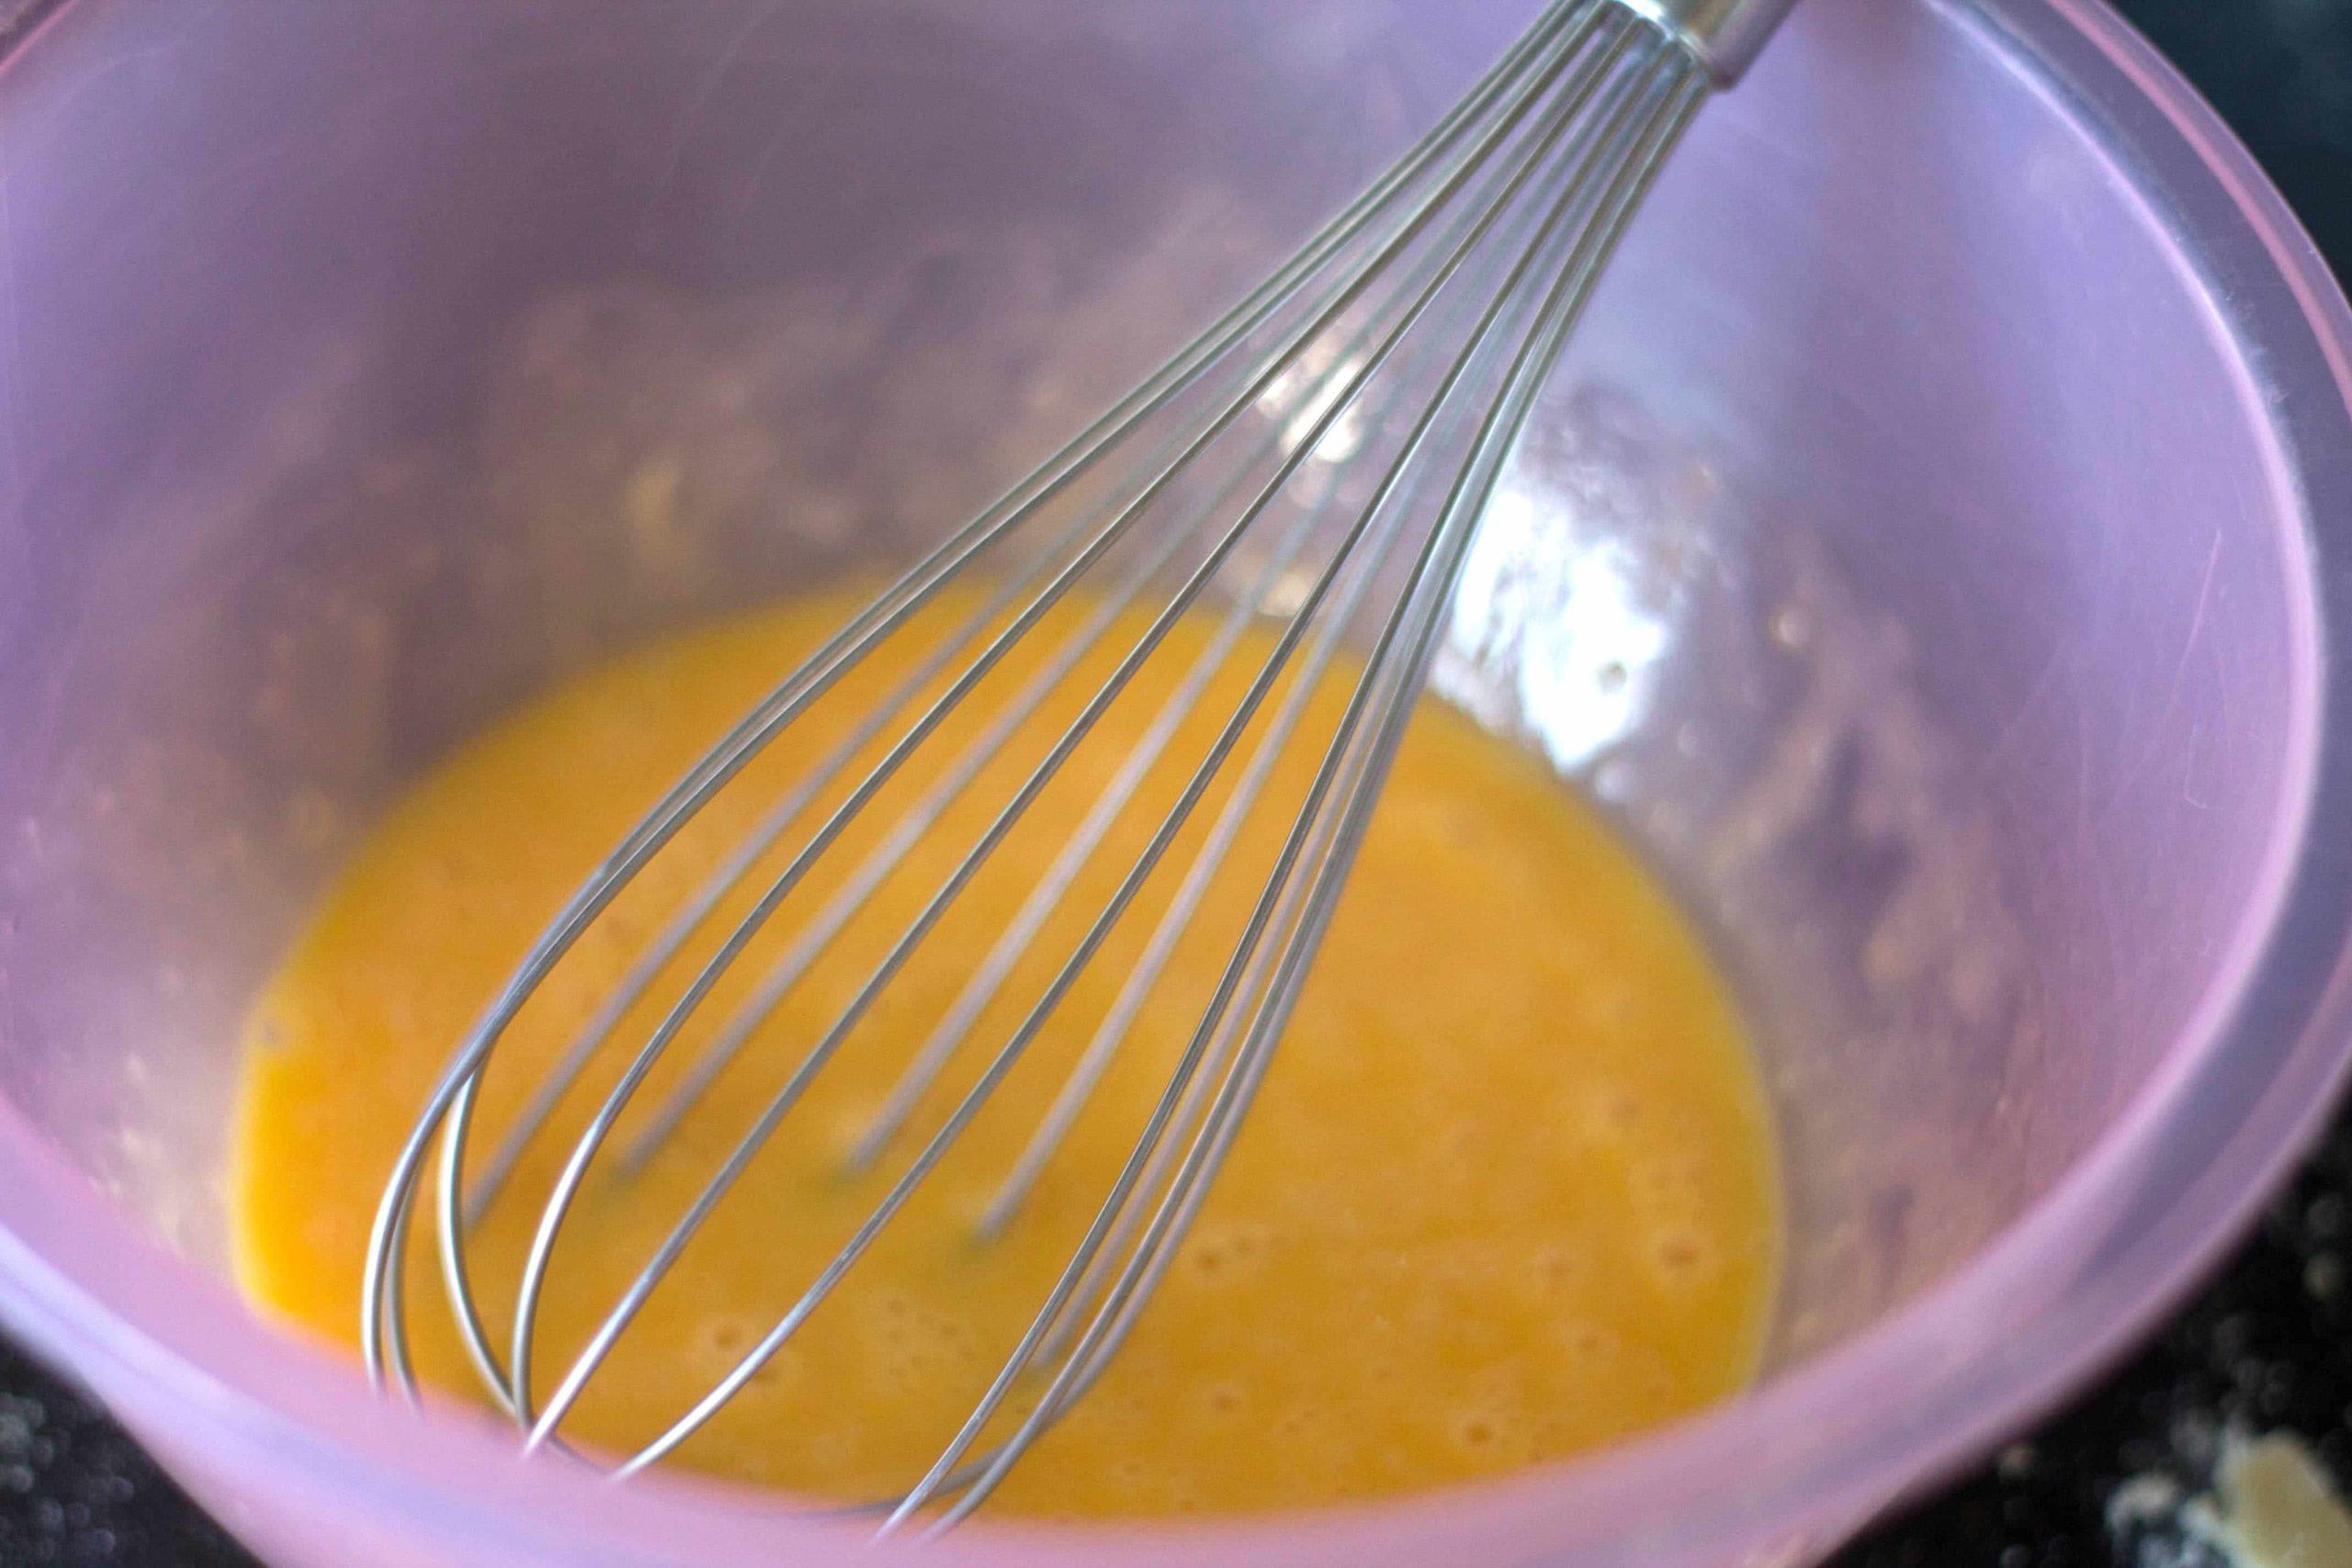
x,y
1927,552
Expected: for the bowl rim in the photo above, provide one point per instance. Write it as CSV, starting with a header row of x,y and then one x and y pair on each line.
x,y
1794,1465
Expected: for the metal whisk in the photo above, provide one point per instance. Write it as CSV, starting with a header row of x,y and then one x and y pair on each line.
x,y
1311,468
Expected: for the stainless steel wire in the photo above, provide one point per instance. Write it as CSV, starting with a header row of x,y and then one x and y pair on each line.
x,y
1282,465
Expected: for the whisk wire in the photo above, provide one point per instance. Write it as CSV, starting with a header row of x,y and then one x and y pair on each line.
x,y
1178,603
1420,607
1503,215
1334,860
448,1107
575,1169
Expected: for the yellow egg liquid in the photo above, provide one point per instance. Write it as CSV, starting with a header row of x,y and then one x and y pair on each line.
x,y
1507,1191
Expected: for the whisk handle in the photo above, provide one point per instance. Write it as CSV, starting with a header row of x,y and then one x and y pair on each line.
x,y
1725,34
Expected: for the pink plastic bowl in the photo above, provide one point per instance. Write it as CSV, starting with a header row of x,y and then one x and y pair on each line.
x,y
1937,534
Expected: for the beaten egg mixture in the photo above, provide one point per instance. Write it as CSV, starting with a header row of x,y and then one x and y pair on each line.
x,y
1508,1194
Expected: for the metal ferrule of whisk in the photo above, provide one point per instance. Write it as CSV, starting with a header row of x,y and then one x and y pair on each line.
x,y
1726,35
1312,470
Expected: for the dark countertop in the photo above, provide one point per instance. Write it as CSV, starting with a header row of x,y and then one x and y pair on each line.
x,y
2267,1346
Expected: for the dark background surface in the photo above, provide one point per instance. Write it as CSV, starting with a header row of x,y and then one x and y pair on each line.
x,y
2266,1347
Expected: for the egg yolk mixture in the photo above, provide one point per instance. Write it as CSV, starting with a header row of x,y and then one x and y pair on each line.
x,y
1507,1191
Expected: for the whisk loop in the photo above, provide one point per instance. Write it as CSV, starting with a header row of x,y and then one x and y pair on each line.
x,y
1314,464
